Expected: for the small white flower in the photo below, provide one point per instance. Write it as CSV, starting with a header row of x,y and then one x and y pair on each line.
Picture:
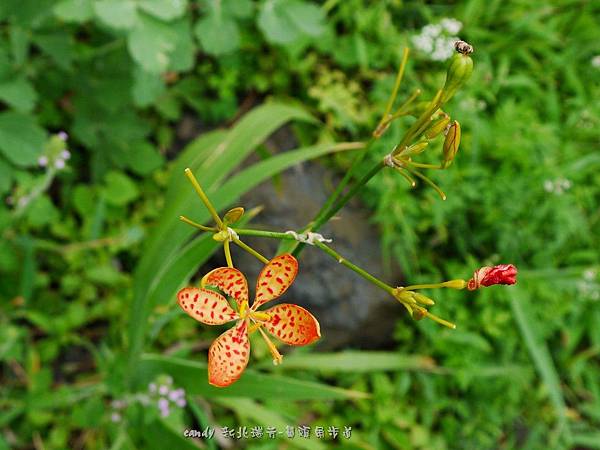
x,y
59,164
596,61
152,387
163,390
65,154
451,25
43,161
115,417
118,404
181,402
62,135
589,274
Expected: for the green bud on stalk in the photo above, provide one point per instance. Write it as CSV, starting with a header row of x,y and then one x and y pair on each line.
x,y
438,127
233,215
451,144
459,70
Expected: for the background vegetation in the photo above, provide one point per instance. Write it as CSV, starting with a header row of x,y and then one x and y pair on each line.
x,y
87,317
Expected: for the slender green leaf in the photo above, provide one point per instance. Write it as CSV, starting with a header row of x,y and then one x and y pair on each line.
x,y
539,353
193,377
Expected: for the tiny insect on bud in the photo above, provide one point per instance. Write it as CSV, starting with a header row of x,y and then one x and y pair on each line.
x,y
438,127
463,47
233,215
451,144
489,276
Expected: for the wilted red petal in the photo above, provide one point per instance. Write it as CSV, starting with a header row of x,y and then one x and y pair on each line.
x,y
488,276
292,324
275,278
229,280
206,306
228,356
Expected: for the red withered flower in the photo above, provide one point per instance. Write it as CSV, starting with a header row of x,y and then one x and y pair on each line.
x,y
488,276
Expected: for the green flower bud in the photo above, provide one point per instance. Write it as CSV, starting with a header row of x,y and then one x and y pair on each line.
x,y
233,215
415,149
437,127
459,71
451,144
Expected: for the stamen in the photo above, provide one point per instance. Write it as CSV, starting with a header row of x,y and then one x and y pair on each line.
x,y
259,315
277,357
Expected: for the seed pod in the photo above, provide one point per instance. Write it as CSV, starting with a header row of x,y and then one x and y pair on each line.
x,y
233,215
437,127
451,144
459,71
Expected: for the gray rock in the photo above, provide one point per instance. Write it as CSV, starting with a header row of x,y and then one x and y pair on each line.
x,y
351,311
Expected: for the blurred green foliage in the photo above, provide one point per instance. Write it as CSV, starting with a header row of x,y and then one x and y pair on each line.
x,y
522,369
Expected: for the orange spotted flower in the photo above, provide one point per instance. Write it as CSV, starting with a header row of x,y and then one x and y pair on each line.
x,y
229,353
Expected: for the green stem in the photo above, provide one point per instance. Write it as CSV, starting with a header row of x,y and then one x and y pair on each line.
x,y
197,225
399,77
331,252
363,273
250,250
204,198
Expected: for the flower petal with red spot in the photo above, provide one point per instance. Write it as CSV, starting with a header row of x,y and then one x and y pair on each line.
x,y
206,306
228,355
292,324
229,280
275,278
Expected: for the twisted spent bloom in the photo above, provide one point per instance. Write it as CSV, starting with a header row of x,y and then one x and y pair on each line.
x,y
229,354
488,276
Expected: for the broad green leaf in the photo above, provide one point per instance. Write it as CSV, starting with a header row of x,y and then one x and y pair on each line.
x,y
21,139
183,56
308,17
59,46
119,189
275,23
143,158
217,34
119,14
164,9
284,21
150,44
18,93
147,87
42,212
192,376
77,11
